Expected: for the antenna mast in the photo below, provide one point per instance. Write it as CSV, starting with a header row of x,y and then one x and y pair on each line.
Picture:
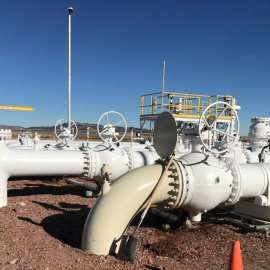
x,y
163,76
163,81
70,11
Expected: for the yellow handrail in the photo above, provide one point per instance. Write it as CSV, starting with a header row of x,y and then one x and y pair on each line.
x,y
181,104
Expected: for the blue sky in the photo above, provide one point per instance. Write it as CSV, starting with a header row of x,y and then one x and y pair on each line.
x,y
118,48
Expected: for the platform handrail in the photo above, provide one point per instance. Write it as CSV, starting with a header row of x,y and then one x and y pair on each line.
x,y
182,104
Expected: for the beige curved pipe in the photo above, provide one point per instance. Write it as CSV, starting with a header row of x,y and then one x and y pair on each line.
x,y
113,211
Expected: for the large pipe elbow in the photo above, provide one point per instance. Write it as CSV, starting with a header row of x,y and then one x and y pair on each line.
x,y
113,211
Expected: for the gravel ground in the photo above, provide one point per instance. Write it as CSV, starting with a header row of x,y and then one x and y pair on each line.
x,y
41,228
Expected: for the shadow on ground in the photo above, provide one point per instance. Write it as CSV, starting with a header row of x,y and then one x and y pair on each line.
x,y
67,226
47,188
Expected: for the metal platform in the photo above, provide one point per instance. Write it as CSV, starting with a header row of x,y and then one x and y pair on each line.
x,y
184,107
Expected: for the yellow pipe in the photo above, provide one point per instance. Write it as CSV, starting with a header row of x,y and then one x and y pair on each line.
x,y
18,108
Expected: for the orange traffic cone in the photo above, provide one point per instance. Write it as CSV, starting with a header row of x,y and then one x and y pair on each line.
x,y
235,262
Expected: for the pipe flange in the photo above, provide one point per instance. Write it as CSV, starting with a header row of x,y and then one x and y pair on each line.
x,y
187,181
89,159
130,158
86,162
175,187
94,163
230,165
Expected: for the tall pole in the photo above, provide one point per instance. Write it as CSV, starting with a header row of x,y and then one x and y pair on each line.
x,y
70,11
163,76
163,82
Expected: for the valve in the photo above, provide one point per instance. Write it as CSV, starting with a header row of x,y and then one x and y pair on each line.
x,y
62,131
107,131
221,134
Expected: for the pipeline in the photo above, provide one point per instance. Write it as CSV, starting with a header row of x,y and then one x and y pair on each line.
x,y
87,187
36,163
121,160
196,182
36,143
84,162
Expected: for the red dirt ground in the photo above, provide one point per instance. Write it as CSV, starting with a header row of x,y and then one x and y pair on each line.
x,y
41,228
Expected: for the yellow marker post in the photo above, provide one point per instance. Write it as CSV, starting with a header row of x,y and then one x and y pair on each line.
x,y
18,108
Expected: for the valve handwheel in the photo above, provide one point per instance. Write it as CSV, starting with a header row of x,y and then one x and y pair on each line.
x,y
220,128
107,131
62,131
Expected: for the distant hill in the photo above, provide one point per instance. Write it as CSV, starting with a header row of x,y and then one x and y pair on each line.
x,y
11,127
81,127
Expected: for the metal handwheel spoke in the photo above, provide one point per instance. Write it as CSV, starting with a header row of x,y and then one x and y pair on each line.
x,y
224,133
104,130
209,138
120,122
219,116
205,121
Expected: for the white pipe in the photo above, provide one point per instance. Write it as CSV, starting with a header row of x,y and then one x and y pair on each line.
x,y
30,163
206,183
86,162
28,143
3,189
254,178
213,181
121,160
36,163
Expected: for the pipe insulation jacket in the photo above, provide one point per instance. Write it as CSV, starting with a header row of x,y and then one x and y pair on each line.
x,y
196,182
